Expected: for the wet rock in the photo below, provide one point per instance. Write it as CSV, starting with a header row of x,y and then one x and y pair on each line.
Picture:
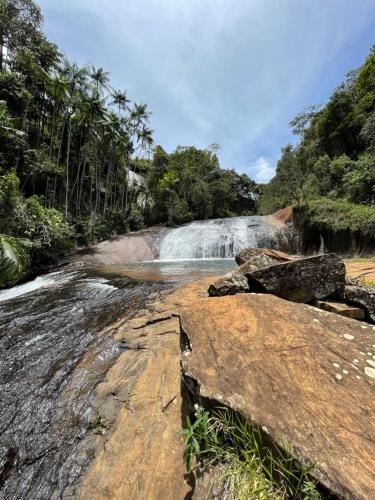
x,y
140,455
261,256
306,376
341,308
363,295
301,280
58,346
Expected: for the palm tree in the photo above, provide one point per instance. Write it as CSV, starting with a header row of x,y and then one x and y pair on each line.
x,y
77,79
92,114
120,99
100,78
144,138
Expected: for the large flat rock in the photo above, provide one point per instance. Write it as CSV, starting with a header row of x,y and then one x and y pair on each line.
x,y
306,376
136,450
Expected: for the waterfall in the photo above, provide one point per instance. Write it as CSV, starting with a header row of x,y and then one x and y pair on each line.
x,y
218,238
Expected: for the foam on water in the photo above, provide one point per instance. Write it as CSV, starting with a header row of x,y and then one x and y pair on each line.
x,y
36,284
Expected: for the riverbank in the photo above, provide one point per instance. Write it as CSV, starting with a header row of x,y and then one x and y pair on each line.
x,y
98,375
143,405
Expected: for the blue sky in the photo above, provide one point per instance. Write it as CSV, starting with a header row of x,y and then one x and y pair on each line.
x,y
232,72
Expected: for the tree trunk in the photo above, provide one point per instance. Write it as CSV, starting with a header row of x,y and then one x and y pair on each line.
x,y
79,190
67,169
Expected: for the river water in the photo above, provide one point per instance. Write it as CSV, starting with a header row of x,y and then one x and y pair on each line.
x,y
52,324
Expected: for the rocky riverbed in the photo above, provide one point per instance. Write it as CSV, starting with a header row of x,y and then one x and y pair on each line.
x,y
92,399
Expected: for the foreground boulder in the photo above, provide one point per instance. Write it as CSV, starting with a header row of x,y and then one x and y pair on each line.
x,y
362,295
250,259
265,256
301,280
306,376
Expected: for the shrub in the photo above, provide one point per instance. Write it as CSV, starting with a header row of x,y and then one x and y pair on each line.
x,y
45,227
338,215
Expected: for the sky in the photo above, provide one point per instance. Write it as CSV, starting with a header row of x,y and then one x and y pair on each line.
x,y
230,72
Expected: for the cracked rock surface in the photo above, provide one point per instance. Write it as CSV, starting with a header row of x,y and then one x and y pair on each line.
x,y
140,454
306,376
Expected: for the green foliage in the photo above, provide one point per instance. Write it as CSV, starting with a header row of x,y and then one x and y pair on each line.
x,y
189,184
67,143
28,218
335,157
359,181
135,219
14,259
339,215
45,227
10,197
249,467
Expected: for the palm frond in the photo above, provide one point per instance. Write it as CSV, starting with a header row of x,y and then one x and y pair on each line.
x,y
14,259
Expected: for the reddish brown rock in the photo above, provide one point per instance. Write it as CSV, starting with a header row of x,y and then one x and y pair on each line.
x,y
261,256
341,308
301,280
138,454
305,375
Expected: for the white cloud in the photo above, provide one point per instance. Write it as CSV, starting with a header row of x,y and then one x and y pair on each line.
x,y
212,73
261,170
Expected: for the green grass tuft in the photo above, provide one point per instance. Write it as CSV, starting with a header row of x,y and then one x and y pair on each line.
x,y
247,466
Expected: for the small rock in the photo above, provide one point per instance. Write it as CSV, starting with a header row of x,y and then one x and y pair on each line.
x,y
341,308
235,281
229,284
363,295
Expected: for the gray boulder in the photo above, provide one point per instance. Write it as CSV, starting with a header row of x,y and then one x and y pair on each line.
x,y
229,284
362,295
301,280
249,259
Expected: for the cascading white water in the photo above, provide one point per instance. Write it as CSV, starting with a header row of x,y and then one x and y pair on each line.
x,y
217,238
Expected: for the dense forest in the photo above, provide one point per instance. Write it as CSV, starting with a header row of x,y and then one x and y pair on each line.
x,y
77,159
330,174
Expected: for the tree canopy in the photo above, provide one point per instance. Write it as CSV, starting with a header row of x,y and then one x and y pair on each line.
x,y
335,157
72,148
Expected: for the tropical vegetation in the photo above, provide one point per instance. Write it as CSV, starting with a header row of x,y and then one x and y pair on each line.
x,y
330,173
77,159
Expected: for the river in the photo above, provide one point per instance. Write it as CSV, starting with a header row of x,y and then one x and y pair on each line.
x,y
52,324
